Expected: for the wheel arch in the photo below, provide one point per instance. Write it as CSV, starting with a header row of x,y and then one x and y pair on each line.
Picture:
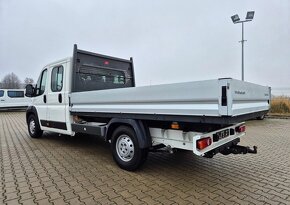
x,y
140,128
31,110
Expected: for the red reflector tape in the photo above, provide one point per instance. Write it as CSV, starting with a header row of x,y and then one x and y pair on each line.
x,y
203,143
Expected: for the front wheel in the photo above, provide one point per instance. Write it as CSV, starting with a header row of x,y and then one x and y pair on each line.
x,y
33,127
125,148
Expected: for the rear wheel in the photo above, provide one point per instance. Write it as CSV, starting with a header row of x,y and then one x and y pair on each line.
x,y
262,117
125,148
33,127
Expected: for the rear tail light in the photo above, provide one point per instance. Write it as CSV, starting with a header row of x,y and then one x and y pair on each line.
x,y
203,143
241,128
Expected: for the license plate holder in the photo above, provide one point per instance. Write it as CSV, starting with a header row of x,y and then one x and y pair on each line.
x,y
221,135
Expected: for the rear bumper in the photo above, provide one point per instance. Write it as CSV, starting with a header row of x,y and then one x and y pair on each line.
x,y
221,144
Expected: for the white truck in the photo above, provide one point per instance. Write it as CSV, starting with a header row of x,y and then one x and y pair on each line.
x,y
96,94
11,99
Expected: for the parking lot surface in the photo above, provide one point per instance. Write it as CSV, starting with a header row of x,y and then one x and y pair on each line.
x,y
80,170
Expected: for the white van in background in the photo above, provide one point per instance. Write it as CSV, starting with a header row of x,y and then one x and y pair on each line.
x,y
13,99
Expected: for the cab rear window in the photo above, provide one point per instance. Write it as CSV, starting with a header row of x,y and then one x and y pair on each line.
x,y
101,78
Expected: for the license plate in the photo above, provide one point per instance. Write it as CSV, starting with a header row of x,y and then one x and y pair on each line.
x,y
223,134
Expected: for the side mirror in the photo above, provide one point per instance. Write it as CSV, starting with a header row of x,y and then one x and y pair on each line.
x,y
29,90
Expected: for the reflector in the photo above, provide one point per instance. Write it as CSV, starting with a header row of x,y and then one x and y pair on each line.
x,y
175,125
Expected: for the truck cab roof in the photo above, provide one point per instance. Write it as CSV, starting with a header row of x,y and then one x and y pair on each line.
x,y
67,59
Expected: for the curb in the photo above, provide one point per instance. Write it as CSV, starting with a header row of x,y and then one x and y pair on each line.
x,y
277,117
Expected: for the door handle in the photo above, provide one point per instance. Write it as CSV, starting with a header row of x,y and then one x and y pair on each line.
x,y
59,98
2,100
44,98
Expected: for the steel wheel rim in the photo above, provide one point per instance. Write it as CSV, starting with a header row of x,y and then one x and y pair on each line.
x,y
32,127
125,147
262,117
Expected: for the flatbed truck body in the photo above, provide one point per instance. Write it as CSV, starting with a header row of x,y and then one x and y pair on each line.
x,y
212,101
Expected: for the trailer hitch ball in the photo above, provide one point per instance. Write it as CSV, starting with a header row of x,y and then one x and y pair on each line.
x,y
253,151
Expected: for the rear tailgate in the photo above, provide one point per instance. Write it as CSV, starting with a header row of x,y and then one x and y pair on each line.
x,y
244,98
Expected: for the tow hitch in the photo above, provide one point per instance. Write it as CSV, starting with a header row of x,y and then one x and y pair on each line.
x,y
231,148
238,149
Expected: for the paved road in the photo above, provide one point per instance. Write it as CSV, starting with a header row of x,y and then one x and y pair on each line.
x,y
59,169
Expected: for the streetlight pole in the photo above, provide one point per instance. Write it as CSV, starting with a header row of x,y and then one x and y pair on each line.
x,y
236,19
243,51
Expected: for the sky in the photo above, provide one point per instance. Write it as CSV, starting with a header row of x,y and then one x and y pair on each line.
x,y
170,41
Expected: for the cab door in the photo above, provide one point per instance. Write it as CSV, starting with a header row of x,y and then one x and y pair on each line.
x,y
40,98
56,99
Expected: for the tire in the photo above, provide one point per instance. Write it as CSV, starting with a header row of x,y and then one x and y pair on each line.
x,y
33,127
262,117
125,149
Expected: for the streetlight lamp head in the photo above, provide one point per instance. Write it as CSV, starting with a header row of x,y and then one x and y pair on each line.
x,y
250,15
235,18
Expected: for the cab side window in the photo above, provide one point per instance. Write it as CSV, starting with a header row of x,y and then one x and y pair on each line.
x,y
1,93
57,79
15,94
40,87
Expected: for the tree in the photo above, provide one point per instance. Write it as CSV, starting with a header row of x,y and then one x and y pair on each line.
x,y
28,81
10,81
